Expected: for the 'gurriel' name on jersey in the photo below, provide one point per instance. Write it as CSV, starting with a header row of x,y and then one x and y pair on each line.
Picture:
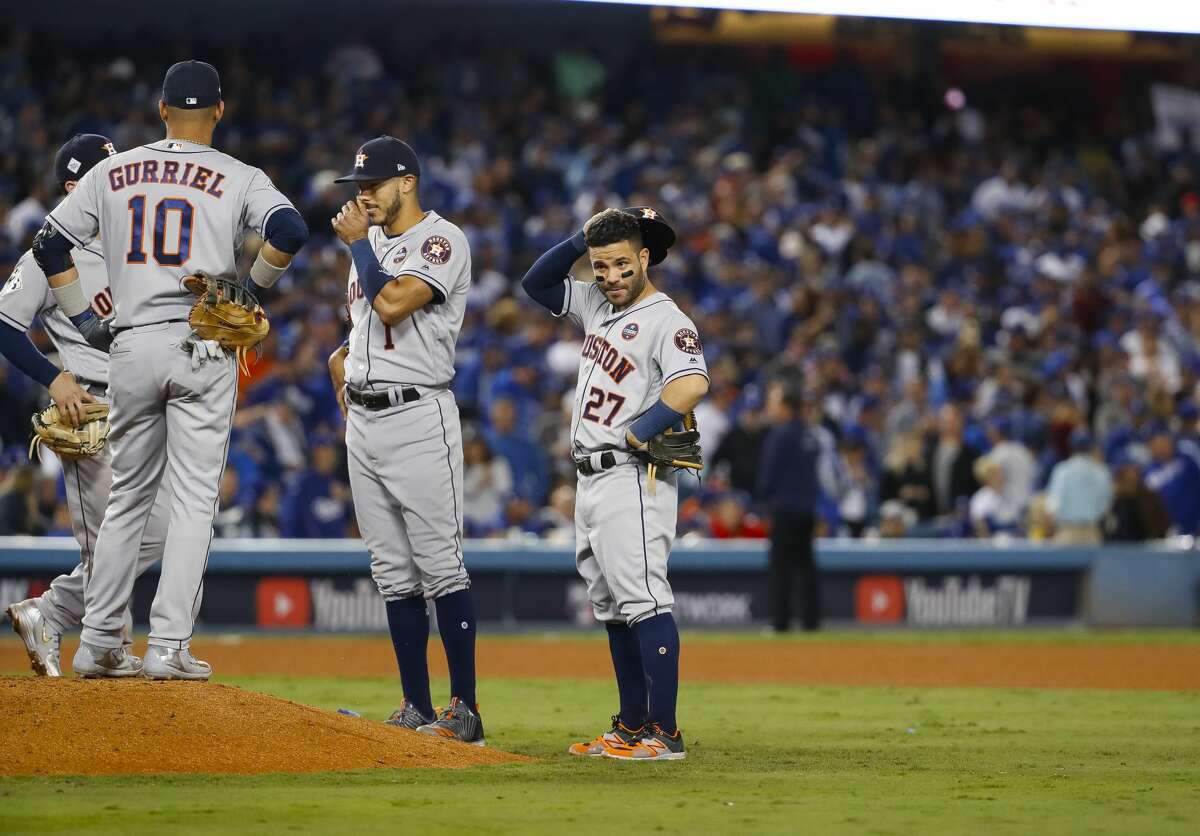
x,y
170,172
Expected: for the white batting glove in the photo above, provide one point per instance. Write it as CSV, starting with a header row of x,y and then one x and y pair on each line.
x,y
203,351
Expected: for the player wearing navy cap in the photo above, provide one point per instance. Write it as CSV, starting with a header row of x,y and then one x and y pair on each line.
x,y
407,293
41,621
169,209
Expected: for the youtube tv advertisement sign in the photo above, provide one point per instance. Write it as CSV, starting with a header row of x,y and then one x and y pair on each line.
x,y
1005,600
327,587
720,599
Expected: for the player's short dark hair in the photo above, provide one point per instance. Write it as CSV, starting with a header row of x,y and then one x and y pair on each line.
x,y
611,227
192,114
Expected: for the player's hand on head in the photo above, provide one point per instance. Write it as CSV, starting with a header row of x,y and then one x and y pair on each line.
x,y
351,222
69,397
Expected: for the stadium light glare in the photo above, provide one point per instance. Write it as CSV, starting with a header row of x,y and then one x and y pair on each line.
x,y
1144,16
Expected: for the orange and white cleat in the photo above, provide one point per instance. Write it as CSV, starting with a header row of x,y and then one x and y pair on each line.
x,y
654,745
618,735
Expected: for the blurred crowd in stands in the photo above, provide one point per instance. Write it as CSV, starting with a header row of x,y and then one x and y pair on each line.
x,y
994,315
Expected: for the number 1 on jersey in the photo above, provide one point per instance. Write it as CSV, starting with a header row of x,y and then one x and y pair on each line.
x,y
176,255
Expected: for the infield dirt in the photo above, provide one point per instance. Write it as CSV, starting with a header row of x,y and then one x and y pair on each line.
x,y
94,727
1015,662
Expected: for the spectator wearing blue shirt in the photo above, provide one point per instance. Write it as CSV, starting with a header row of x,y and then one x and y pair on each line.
x,y
1080,492
317,503
530,472
1176,478
788,486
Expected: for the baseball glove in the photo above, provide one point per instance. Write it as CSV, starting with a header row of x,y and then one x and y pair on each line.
x,y
673,448
50,430
227,313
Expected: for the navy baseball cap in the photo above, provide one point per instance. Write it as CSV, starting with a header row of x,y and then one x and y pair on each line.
x,y
79,154
191,85
382,158
657,235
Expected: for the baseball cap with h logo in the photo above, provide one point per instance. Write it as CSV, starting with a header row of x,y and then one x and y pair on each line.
x,y
382,158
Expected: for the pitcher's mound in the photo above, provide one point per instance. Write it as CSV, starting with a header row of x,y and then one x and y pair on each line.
x,y
102,727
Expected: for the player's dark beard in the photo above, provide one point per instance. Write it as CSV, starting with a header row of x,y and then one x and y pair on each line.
x,y
393,210
637,283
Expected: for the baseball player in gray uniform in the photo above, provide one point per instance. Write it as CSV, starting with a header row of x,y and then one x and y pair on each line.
x,y
41,621
408,293
641,371
164,210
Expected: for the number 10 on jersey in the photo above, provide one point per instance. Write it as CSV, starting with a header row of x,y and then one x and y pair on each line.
x,y
166,256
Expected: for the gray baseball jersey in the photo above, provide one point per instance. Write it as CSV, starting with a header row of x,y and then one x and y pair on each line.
x,y
406,462
164,210
628,357
27,294
420,350
167,210
624,529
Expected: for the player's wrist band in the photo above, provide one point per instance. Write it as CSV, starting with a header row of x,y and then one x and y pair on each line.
x,y
579,242
264,273
70,299
654,420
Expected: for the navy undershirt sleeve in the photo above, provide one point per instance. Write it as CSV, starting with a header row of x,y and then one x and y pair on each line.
x,y
371,276
23,354
286,231
544,281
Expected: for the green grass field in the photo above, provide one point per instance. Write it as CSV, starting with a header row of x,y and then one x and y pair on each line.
x,y
762,759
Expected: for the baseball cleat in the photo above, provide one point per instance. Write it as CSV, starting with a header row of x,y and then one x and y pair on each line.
x,y
169,663
92,662
408,716
41,641
458,722
655,745
618,735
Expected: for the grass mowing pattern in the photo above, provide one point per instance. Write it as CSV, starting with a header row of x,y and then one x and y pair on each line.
x,y
762,759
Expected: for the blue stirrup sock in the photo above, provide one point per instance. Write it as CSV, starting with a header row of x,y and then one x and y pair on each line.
x,y
456,623
631,677
659,640
408,622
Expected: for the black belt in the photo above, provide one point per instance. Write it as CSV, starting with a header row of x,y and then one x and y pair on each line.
x,y
584,465
147,325
375,401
